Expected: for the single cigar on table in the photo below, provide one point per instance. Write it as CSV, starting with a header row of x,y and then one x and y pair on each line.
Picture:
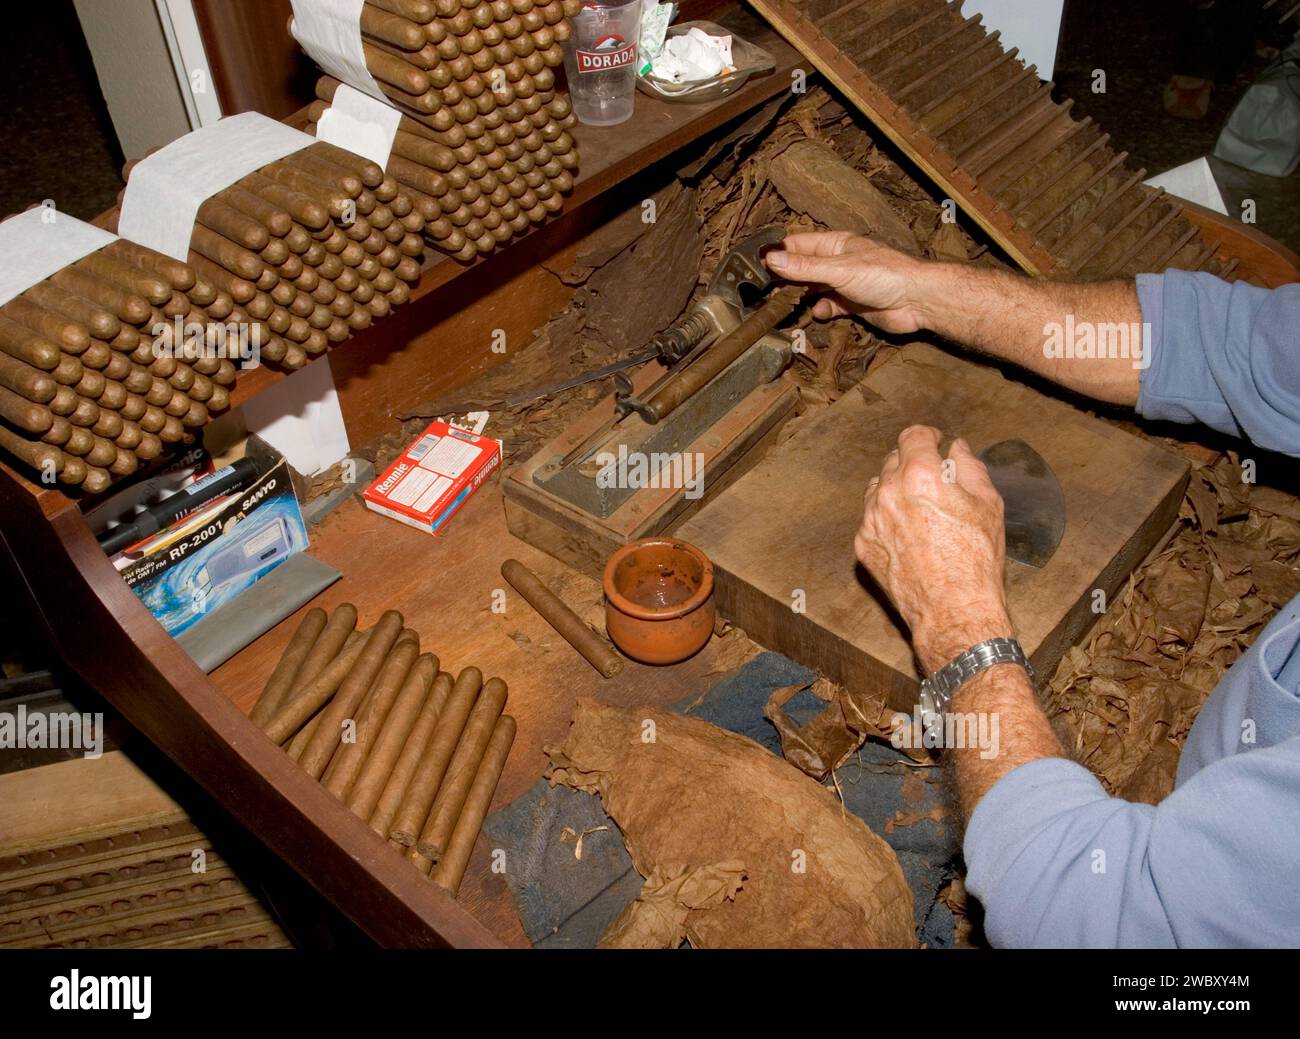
x,y
387,686
455,857
459,777
282,678
418,798
411,746
391,735
570,626
350,694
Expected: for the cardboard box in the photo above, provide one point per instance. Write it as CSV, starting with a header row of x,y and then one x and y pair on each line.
x,y
207,558
431,480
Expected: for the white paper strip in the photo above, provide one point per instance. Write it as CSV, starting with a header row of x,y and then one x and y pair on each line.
x,y
330,32
1194,182
359,123
39,242
166,189
301,418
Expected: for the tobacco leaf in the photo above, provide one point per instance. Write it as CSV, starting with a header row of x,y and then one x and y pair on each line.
x,y
701,808
1126,701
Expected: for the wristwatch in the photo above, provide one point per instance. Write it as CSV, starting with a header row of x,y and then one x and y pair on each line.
x,y
938,690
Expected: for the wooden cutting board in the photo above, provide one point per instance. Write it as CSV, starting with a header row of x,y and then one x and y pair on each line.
x,y
781,537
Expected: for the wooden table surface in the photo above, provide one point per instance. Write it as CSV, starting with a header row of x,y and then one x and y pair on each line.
x,y
444,586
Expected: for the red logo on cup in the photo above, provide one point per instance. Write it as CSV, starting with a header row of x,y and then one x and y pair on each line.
x,y
609,52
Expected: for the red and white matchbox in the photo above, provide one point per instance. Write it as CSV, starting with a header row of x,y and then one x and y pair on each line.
x,y
431,480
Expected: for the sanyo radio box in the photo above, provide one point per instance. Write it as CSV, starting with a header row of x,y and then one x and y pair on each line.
x,y
186,571
431,480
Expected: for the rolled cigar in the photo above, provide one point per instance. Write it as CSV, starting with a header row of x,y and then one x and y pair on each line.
x,y
237,260
240,290
275,220
304,736
451,865
459,776
419,11
413,747
98,321
414,810
282,678
303,208
417,859
22,344
102,453
400,666
350,693
177,274
393,71
109,425
96,480
25,414
31,383
391,736
43,457
331,641
126,277
224,219
337,203
128,306
372,176
68,335
315,693
337,177
569,625
391,28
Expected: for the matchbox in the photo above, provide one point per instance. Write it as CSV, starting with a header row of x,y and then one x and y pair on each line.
x,y
433,477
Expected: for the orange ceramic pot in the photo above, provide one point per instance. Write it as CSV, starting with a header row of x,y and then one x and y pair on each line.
x,y
659,600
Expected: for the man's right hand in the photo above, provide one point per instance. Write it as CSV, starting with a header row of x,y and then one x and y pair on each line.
x,y
865,278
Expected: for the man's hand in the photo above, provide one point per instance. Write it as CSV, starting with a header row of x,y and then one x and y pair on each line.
x,y
933,537
865,278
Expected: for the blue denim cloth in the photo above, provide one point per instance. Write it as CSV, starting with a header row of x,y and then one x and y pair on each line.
x,y
1057,862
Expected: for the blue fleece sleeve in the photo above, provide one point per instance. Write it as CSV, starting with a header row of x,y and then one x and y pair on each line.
x,y
1056,862
1226,355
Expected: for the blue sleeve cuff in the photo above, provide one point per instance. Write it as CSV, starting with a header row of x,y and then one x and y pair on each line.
x,y
1178,384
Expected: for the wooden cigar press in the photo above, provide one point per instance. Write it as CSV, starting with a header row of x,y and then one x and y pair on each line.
x,y
676,430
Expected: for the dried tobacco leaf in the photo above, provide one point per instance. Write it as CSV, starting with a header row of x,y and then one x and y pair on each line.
x,y
739,848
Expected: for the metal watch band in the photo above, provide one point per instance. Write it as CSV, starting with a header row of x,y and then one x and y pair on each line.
x,y
938,690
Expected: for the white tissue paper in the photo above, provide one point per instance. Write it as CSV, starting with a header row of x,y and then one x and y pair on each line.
x,y
360,118
166,189
40,242
693,56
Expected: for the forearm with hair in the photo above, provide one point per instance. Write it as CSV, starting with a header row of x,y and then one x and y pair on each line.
x,y
1024,734
1008,316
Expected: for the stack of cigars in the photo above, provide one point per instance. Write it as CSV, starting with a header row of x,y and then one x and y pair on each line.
x,y
407,747
483,148
85,394
309,249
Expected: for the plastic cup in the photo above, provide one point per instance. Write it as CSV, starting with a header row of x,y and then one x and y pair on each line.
x,y
600,61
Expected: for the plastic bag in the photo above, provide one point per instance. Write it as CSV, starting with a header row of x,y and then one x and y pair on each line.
x,y
1263,132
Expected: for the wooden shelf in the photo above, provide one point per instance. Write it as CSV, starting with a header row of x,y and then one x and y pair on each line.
x,y
610,156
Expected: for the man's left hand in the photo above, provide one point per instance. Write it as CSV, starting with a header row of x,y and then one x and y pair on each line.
x,y
933,537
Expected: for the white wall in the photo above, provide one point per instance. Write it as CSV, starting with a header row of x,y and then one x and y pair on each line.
x,y
135,73
1032,25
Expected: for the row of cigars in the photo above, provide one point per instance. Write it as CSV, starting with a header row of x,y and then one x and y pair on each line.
x,y
410,749
302,253
483,148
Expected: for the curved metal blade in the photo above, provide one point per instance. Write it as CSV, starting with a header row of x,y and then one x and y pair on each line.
x,y
1034,500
